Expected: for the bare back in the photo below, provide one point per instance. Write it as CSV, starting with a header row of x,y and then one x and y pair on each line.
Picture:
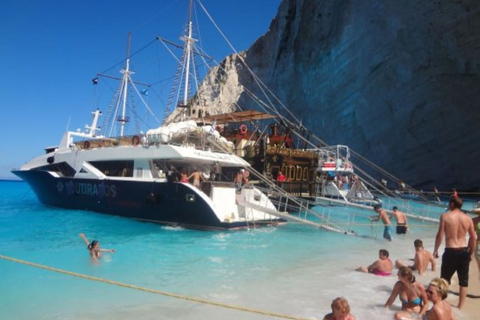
x,y
456,225
422,259
400,216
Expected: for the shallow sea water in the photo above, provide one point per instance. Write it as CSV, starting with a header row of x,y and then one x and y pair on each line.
x,y
293,269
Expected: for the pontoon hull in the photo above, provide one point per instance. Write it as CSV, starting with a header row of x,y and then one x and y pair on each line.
x,y
159,202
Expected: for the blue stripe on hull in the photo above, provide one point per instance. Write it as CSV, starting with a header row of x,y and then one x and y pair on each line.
x,y
164,203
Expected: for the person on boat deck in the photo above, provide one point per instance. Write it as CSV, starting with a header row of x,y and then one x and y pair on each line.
x,y
280,179
381,267
411,293
401,220
387,232
246,177
455,193
340,310
437,292
184,176
172,174
217,171
421,260
197,178
437,194
239,180
94,248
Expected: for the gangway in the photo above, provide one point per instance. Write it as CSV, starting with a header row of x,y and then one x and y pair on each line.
x,y
366,207
285,215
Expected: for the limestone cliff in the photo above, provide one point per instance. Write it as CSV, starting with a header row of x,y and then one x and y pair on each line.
x,y
397,81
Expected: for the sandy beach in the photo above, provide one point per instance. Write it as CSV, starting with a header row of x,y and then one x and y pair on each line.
x,y
472,305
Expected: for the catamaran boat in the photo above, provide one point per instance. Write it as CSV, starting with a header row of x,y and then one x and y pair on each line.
x,y
140,175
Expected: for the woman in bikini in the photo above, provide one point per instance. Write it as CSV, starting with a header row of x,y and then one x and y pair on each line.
x,y
411,293
437,292
94,248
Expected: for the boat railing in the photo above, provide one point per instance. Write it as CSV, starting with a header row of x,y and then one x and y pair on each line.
x,y
197,140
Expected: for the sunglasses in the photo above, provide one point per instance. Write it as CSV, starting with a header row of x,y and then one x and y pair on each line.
x,y
429,291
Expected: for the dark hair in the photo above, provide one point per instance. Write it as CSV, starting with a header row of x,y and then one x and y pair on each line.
x,y
395,208
384,253
456,202
92,244
377,206
418,243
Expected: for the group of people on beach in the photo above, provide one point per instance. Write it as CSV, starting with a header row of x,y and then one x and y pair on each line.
x,y
456,227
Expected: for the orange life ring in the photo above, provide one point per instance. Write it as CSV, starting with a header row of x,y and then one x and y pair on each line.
x,y
243,129
135,140
86,145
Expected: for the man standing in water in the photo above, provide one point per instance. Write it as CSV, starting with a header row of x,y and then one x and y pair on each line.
x,y
401,220
455,225
387,232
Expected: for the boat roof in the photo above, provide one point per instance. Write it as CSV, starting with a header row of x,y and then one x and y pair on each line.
x,y
238,116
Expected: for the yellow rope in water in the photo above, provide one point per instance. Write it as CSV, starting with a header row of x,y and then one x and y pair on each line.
x,y
172,295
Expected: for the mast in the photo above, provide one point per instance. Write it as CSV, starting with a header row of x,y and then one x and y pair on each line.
x,y
126,76
188,50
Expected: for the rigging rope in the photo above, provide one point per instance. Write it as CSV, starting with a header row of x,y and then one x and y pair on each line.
x,y
159,292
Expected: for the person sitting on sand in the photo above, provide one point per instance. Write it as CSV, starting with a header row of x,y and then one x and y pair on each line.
x,y
411,293
437,292
381,267
94,248
340,310
421,260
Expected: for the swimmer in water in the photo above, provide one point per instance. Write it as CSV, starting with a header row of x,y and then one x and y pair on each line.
x,y
94,248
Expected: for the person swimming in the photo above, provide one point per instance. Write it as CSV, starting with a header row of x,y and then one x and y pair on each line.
x,y
94,248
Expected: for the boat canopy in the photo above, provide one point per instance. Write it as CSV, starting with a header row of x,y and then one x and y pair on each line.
x,y
239,116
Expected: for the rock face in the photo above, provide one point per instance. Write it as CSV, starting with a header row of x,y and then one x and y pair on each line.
x,y
397,81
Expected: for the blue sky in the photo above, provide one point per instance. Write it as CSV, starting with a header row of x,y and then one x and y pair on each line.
x,y
52,49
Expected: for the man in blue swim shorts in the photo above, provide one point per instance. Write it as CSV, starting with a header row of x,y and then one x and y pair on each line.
x,y
388,230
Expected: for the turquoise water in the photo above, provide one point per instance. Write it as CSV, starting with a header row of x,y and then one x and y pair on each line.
x,y
294,270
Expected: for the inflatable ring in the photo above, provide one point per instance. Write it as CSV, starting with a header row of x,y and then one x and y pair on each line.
x,y
135,140
243,129
86,145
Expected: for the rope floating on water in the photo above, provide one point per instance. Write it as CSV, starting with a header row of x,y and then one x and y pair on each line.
x,y
159,292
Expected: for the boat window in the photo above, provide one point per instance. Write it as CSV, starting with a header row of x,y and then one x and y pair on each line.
x,y
120,168
62,168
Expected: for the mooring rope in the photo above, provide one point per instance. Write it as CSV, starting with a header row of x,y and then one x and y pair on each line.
x,y
163,293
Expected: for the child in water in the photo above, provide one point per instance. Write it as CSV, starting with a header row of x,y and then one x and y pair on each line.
x,y
94,248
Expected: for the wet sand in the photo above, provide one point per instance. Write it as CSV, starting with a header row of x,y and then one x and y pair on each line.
x,y
472,306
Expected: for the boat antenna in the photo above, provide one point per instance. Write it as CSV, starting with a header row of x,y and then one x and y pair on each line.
x,y
126,75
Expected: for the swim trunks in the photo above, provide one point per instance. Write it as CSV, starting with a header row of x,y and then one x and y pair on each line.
x,y
387,233
401,228
456,259
381,273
